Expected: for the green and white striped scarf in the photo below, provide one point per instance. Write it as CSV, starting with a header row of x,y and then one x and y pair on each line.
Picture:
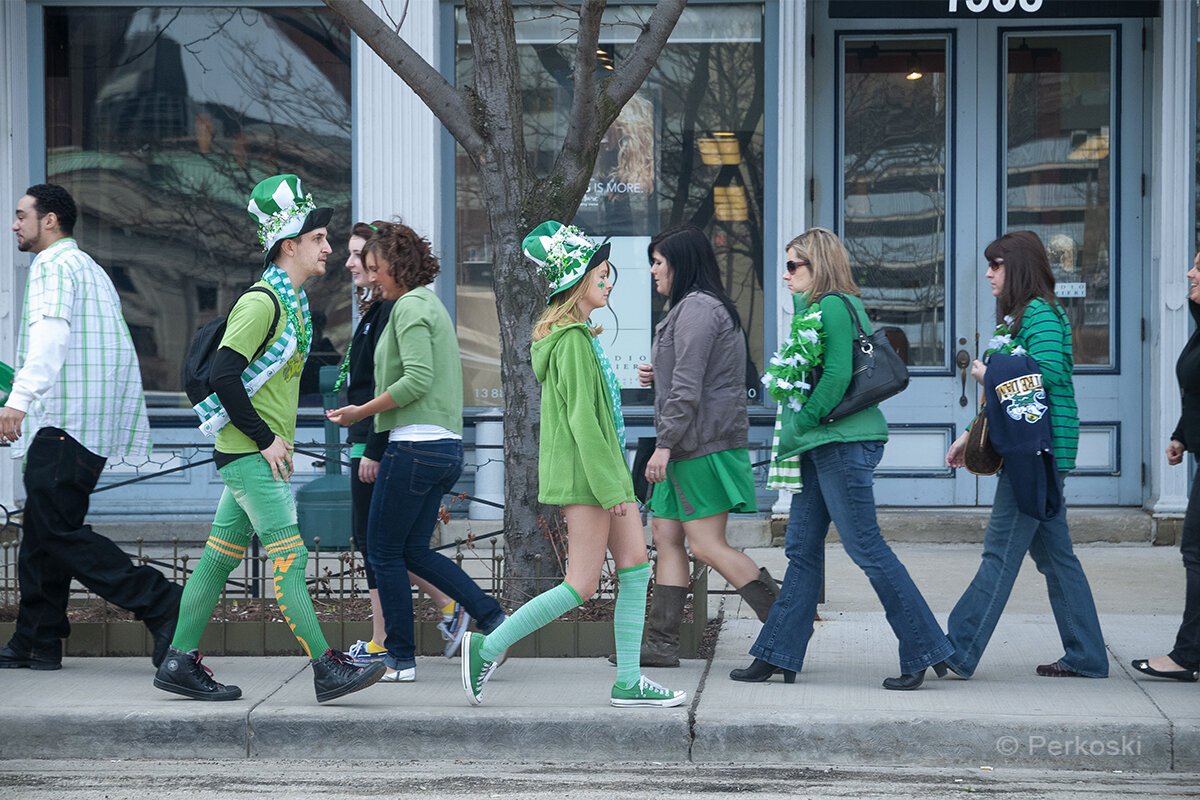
x,y
783,474
210,411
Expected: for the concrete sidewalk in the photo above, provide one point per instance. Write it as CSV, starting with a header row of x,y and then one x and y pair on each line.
x,y
557,709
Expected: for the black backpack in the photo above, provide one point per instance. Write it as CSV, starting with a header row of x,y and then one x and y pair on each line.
x,y
197,364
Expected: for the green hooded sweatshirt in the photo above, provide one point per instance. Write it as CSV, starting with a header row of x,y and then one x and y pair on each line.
x,y
580,459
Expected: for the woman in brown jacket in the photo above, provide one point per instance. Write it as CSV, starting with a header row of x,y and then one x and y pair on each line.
x,y
700,469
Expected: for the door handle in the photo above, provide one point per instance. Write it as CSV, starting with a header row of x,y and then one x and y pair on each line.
x,y
963,360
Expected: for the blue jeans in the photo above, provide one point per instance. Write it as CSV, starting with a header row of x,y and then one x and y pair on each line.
x,y
1009,536
839,481
413,478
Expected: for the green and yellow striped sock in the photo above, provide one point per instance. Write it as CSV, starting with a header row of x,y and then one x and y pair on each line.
x,y
222,553
289,555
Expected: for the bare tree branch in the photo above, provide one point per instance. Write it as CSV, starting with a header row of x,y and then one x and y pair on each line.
x,y
498,83
646,51
428,84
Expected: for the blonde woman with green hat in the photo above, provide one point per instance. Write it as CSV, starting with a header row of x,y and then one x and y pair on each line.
x,y
581,467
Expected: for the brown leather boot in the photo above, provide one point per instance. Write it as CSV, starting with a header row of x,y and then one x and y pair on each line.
x,y
760,593
660,641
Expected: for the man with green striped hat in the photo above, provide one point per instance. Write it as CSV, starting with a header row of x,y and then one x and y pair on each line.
x,y
255,376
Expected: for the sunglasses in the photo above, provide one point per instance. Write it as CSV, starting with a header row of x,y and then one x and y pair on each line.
x,y
995,263
792,266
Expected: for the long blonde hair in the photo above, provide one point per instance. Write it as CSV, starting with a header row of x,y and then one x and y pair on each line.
x,y
564,309
828,260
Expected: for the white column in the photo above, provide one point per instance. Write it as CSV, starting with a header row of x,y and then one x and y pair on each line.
x,y
397,138
793,159
14,178
1170,242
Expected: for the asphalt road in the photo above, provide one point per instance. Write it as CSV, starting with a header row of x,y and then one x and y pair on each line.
x,y
327,780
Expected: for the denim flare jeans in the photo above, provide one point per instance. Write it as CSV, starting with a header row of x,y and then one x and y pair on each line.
x,y
413,478
838,484
1009,536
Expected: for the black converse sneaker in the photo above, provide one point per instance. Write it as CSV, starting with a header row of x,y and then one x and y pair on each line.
x,y
182,673
335,674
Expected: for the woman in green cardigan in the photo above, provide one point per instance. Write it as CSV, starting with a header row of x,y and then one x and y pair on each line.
x,y
581,467
418,377
837,472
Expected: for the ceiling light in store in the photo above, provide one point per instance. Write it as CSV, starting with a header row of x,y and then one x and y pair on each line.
x,y
914,68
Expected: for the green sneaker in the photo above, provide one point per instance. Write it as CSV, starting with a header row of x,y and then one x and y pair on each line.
x,y
475,669
646,693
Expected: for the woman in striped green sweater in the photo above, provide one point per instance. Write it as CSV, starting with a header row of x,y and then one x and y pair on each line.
x,y
1034,323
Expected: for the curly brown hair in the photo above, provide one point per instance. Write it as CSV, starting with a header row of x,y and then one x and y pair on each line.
x,y
408,255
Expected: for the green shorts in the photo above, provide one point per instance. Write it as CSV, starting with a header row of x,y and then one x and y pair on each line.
x,y
703,487
253,499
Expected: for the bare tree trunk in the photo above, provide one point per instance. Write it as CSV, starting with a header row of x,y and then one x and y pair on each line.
x,y
486,119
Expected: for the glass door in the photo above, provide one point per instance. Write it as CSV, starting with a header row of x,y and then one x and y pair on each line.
x,y
930,143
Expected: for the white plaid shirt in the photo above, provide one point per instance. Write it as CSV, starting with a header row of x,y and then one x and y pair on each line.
x,y
97,395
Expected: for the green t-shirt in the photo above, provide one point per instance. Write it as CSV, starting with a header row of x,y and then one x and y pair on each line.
x,y
276,402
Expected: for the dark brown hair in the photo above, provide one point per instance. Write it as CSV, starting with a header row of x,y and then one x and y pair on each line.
x,y
1027,274
363,295
408,255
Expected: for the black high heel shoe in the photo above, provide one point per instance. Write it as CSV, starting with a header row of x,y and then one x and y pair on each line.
x,y
1142,665
913,680
760,670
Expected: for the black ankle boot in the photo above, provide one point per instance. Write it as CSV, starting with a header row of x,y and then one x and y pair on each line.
x,y
760,670
913,680
182,673
335,675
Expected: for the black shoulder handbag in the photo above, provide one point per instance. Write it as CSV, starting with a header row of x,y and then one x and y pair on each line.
x,y
878,372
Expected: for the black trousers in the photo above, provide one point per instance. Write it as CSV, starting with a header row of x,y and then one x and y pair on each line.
x,y
360,510
57,545
1187,642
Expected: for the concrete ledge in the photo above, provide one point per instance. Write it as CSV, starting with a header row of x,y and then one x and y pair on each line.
x,y
1089,524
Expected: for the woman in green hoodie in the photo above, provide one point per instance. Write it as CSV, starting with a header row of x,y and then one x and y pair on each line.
x,y
581,467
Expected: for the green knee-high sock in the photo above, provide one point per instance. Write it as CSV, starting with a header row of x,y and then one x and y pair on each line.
x,y
629,618
222,553
528,618
290,557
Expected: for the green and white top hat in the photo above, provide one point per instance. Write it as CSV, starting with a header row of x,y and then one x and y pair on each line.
x,y
563,254
283,212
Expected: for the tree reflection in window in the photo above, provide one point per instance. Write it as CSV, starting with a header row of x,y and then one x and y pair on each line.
x,y
161,120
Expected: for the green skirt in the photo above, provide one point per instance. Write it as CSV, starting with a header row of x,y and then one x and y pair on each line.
x,y
702,487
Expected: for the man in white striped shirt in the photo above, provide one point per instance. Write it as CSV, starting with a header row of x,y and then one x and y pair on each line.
x,y
76,402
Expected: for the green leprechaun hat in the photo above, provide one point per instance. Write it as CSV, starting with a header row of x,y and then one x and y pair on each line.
x,y
283,212
563,254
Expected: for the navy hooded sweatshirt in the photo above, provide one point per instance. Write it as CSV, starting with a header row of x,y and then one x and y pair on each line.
x,y
1019,428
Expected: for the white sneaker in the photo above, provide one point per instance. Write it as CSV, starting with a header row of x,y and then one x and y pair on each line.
x,y
399,675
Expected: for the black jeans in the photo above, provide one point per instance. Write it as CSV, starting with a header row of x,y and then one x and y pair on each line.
x,y
360,512
1187,642
57,545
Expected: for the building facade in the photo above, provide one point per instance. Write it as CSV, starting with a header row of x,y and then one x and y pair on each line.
x,y
919,131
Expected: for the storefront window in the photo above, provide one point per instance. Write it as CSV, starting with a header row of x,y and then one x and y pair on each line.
x,y
688,148
893,198
1059,142
160,121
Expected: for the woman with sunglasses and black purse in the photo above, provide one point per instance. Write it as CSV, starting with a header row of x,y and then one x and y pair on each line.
x,y
837,474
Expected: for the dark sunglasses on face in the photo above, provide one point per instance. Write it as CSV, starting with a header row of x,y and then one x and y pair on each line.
x,y
995,263
792,266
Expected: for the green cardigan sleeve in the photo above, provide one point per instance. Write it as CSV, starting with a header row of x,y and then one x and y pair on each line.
x,y
413,335
839,333
579,382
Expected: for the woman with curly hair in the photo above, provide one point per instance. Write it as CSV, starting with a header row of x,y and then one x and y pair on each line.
x,y
419,373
